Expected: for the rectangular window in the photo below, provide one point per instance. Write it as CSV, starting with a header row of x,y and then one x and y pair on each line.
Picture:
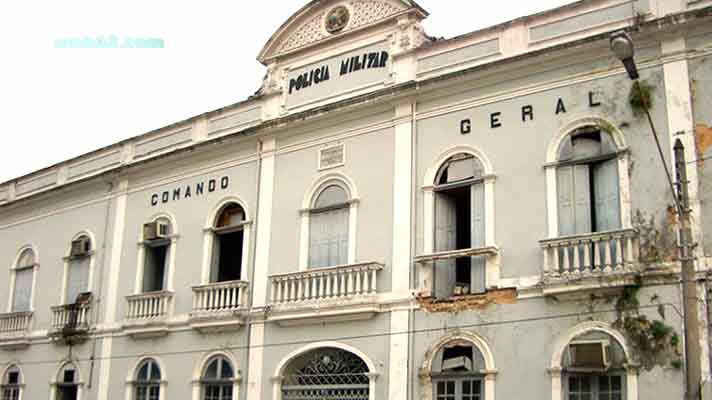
x,y
460,225
77,278
151,392
23,289
155,267
461,388
67,392
596,387
227,261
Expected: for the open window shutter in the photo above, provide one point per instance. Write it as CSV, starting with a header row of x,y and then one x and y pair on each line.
x,y
445,239
23,289
77,279
164,273
606,196
342,235
565,194
215,259
582,196
149,275
477,204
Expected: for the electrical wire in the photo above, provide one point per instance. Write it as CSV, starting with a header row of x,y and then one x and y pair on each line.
x,y
359,337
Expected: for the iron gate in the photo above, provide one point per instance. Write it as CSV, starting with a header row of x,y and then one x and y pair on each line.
x,y
326,374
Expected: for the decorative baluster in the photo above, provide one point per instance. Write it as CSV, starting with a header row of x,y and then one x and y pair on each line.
x,y
546,268
557,265
374,287
577,259
597,255
566,259
619,253
608,261
587,257
629,241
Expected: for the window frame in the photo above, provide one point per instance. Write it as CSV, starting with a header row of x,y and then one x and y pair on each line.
x,y
67,264
58,380
14,269
212,231
221,383
5,384
552,164
595,389
309,209
171,242
134,384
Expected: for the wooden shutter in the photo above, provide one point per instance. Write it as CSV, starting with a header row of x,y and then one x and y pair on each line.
x,y
329,238
445,239
77,279
477,227
341,233
606,195
23,289
574,200
215,259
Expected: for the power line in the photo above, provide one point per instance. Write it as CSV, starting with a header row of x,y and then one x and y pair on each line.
x,y
355,337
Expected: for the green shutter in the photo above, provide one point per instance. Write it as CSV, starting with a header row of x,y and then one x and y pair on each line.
x,y
477,205
606,195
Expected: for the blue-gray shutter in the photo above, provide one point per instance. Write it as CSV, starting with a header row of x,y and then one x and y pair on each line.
x,y
574,200
23,289
329,238
606,195
445,240
77,279
477,212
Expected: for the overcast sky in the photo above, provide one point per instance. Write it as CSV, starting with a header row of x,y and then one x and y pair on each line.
x,y
58,103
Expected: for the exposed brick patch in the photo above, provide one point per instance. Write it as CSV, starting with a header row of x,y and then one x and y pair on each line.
x,y
472,302
703,138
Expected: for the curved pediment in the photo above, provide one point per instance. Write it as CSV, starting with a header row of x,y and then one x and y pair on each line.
x,y
309,25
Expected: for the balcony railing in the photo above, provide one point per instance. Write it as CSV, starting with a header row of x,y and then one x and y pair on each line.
x,y
148,306
219,298
71,317
16,323
590,255
325,283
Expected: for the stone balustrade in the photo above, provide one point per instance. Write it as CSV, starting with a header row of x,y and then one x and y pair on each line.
x,y
148,306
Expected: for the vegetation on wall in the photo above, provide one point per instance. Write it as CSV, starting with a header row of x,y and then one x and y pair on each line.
x,y
639,99
653,341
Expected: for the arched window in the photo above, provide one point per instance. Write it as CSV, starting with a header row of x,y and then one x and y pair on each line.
x,y
24,274
218,380
588,183
148,381
11,384
329,227
326,373
157,242
67,386
78,265
458,373
594,368
228,244
460,225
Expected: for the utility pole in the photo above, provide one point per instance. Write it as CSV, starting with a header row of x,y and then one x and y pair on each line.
x,y
693,367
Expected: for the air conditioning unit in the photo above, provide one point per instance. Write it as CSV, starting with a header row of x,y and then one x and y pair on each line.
x,y
80,247
155,230
589,356
457,363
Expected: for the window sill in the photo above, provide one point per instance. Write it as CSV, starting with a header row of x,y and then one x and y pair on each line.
x,y
453,254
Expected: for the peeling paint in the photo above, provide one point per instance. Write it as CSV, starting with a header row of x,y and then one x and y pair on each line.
x,y
703,139
658,241
472,302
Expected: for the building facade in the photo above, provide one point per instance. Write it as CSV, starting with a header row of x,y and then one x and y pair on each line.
x,y
391,216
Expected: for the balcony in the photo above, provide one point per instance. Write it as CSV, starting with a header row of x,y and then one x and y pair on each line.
x,y
146,314
341,293
14,330
590,261
70,321
220,306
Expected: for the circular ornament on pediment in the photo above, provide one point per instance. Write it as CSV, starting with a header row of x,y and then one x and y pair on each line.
x,y
337,19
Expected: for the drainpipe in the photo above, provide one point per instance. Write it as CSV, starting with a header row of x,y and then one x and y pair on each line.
x,y
411,272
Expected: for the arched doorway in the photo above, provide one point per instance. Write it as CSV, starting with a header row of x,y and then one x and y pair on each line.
x,y
326,373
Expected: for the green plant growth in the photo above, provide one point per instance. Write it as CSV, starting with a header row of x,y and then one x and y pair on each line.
x,y
638,99
654,342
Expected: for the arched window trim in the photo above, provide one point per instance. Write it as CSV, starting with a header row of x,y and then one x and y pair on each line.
x,y
278,376
13,272
201,366
307,209
57,380
141,257
132,377
209,234
478,342
13,367
557,358
488,178
552,163
67,259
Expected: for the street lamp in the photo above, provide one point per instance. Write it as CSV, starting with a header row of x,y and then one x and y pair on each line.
x,y
623,48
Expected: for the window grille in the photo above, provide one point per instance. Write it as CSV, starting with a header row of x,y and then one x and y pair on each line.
x,y
326,374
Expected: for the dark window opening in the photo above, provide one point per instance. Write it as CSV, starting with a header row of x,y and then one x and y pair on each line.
x,y
230,256
155,268
461,198
68,392
13,378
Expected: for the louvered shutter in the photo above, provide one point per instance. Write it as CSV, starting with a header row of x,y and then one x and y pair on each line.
x,y
477,205
342,233
445,240
77,279
329,238
582,196
23,289
574,200
606,195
